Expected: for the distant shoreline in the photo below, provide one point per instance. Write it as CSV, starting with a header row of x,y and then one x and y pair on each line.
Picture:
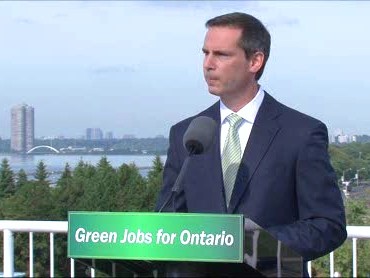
x,y
83,153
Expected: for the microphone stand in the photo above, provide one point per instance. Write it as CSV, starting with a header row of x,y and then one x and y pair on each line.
x,y
177,186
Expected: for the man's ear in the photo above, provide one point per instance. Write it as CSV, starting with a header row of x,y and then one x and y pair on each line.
x,y
256,62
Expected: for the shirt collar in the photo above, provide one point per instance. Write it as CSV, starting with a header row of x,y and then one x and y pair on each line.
x,y
248,112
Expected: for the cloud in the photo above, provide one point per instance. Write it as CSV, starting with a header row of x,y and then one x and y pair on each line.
x,y
283,21
24,20
60,15
113,69
214,5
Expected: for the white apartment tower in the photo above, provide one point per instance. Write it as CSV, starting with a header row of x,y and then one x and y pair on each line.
x,y
22,128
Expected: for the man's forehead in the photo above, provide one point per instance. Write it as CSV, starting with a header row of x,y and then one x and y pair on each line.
x,y
231,30
222,36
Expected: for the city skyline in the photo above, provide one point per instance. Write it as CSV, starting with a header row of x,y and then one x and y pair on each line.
x,y
122,67
23,123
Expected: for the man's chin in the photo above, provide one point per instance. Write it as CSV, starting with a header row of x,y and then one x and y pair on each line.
x,y
214,92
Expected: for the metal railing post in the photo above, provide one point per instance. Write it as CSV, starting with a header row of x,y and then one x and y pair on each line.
x,y
114,274
309,268
92,269
51,254
72,268
8,253
331,264
278,256
31,253
354,256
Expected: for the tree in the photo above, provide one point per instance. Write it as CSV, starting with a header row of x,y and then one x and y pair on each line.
x,y
7,184
132,186
154,184
84,170
41,174
21,178
356,212
67,173
66,177
102,188
157,168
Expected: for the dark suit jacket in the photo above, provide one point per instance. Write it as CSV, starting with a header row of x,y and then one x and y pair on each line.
x,y
285,183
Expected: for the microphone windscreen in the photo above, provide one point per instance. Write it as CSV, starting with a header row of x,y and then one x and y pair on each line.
x,y
200,135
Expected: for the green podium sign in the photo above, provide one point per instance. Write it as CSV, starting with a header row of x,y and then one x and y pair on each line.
x,y
156,236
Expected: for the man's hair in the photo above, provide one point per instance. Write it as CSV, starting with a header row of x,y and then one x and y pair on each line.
x,y
255,36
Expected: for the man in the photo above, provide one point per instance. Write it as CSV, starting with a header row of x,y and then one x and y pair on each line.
x,y
283,180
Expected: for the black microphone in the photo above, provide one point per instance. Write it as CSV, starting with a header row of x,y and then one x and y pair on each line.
x,y
199,135
197,139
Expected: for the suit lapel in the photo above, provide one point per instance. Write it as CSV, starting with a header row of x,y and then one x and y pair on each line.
x,y
263,133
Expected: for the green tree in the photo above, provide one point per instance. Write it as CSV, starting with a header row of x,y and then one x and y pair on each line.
x,y
67,173
102,189
64,195
30,202
66,177
132,186
7,183
21,178
356,212
157,169
154,184
84,170
41,174
73,190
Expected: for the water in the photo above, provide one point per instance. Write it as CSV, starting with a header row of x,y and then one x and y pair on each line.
x,y
55,163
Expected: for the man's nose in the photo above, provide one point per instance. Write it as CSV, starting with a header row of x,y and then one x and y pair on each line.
x,y
208,63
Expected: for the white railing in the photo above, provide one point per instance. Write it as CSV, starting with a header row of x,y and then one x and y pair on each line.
x,y
9,227
354,233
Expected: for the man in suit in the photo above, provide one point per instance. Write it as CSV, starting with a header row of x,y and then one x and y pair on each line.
x,y
283,181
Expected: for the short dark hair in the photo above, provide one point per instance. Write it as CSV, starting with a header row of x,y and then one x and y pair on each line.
x,y
255,36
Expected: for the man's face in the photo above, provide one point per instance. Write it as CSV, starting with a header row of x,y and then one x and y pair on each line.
x,y
226,69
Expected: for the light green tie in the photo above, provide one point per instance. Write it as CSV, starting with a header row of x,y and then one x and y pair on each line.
x,y
231,155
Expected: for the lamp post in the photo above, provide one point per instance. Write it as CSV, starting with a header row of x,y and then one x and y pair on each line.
x,y
357,171
344,171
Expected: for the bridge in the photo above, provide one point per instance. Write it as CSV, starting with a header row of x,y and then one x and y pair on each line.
x,y
42,147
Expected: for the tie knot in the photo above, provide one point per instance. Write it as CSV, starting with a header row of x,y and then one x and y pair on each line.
x,y
235,120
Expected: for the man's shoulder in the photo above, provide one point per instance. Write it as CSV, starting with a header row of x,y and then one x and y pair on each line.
x,y
212,112
293,117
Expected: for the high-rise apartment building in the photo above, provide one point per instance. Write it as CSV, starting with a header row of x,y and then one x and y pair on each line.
x,y
22,128
109,135
94,134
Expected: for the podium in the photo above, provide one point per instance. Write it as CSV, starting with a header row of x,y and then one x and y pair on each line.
x,y
177,245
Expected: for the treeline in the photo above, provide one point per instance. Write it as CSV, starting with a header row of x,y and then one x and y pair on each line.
x,y
350,158
85,188
363,138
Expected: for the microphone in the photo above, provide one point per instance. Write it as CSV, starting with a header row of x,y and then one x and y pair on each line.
x,y
199,135
197,140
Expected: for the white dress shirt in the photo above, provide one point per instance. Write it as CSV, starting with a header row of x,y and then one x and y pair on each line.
x,y
248,113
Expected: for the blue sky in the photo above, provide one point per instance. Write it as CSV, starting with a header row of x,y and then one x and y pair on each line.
x,y
136,67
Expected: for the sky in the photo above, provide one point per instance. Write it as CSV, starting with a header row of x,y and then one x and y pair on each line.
x,y
136,67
